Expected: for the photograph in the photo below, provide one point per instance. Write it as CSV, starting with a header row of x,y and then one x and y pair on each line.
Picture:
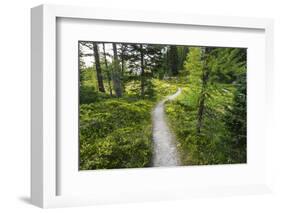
x,y
147,105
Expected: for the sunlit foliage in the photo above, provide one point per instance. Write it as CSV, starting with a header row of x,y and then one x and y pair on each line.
x,y
208,118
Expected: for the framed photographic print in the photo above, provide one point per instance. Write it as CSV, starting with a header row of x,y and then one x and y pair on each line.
x,y
130,106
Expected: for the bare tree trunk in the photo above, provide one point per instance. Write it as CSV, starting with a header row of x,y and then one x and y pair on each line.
x,y
80,63
203,93
116,73
142,70
98,67
201,109
122,65
174,60
107,70
122,59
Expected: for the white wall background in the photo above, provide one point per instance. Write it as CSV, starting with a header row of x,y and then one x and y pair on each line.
x,y
15,104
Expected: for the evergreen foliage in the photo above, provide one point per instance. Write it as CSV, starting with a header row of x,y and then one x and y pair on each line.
x,y
119,90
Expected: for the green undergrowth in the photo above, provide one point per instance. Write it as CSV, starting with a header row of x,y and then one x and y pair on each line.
x,y
117,132
212,145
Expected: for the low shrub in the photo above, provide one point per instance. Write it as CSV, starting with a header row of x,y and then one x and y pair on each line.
x,y
115,133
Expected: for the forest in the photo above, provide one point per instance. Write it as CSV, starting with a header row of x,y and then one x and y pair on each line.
x,y
151,105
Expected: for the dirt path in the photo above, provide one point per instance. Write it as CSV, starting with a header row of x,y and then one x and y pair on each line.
x,y
165,150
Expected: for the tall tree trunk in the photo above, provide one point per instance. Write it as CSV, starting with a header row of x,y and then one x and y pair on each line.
x,y
201,109
116,73
98,67
122,73
203,93
122,65
174,60
107,70
122,59
182,56
142,70
80,63
167,63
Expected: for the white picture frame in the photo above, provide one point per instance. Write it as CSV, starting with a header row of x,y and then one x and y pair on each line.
x,y
44,155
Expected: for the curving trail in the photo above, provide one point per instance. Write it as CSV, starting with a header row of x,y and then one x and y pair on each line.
x,y
165,150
